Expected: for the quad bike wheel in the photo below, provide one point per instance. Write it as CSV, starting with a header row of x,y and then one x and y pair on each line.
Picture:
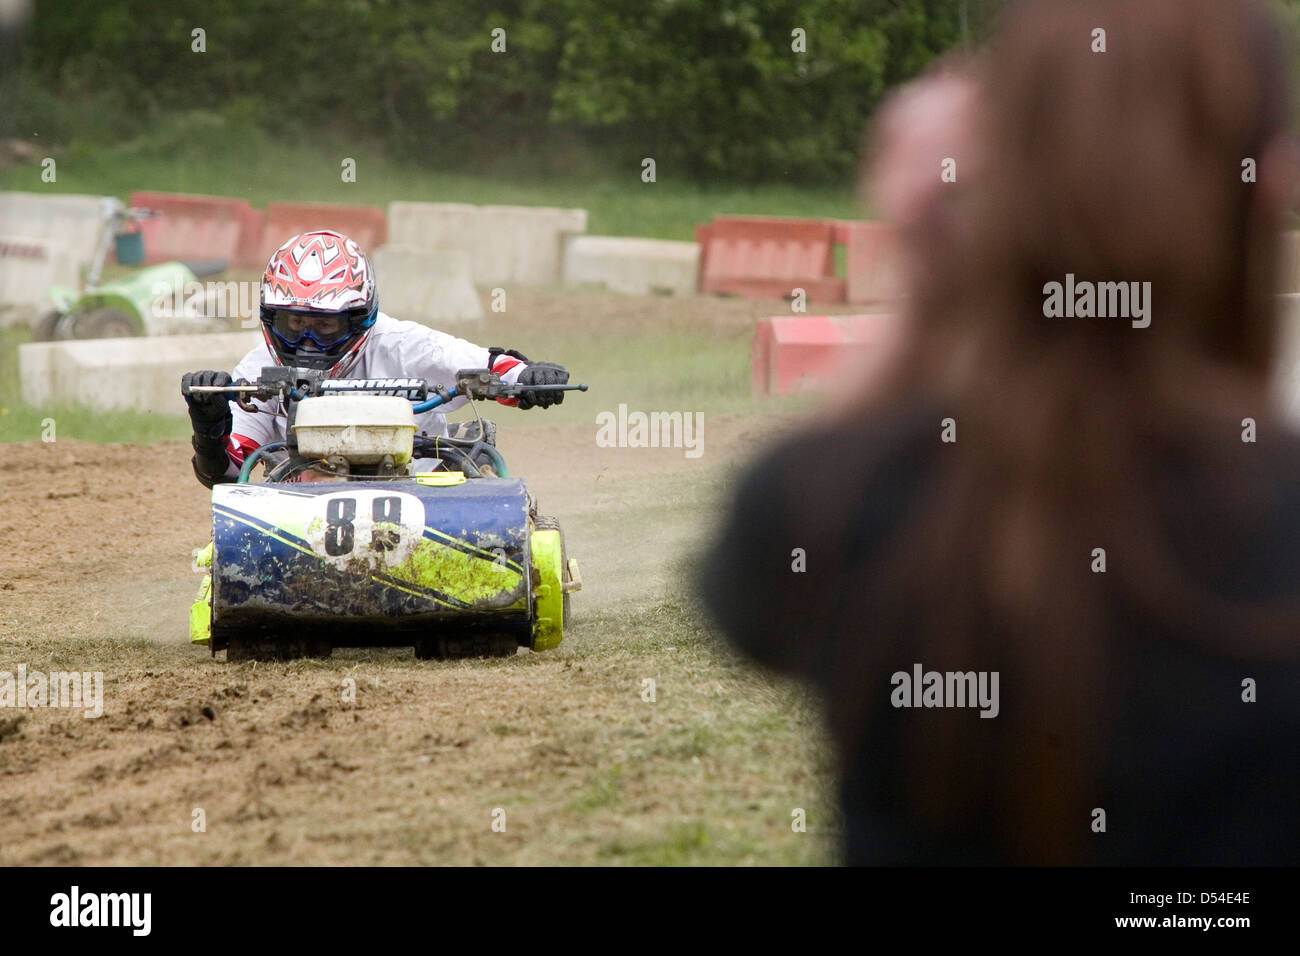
x,y
104,324
43,330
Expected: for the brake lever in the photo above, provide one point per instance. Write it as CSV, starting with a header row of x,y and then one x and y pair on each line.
x,y
478,384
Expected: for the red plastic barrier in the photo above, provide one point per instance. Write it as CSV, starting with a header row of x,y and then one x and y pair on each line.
x,y
795,353
250,239
871,260
198,227
768,257
366,224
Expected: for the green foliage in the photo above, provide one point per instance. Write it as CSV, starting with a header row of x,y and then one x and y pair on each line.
x,y
716,90
225,160
712,89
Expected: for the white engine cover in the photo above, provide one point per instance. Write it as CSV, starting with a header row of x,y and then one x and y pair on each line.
x,y
361,428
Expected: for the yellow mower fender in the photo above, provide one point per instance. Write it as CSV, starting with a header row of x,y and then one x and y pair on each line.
x,y
201,609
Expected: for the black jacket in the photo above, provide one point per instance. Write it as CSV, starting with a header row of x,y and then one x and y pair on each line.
x,y
1191,774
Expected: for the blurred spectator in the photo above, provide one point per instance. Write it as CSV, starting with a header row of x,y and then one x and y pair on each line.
x,y
916,130
920,153
1102,513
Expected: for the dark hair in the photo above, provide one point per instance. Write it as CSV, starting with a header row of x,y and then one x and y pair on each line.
x,y
1123,165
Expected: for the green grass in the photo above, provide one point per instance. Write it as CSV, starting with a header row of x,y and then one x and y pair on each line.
x,y
674,370
666,209
21,422
601,792
678,368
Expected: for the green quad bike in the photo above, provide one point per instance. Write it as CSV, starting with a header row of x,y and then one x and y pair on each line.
x,y
142,303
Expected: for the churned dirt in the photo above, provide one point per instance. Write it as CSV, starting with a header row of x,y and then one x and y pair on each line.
x,y
561,757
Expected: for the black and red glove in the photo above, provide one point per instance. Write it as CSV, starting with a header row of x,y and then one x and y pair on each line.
x,y
212,422
542,373
209,411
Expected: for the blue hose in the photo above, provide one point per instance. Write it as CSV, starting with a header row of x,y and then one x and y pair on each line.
x,y
432,403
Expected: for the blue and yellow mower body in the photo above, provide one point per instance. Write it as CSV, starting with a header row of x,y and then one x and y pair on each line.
x,y
395,563
450,565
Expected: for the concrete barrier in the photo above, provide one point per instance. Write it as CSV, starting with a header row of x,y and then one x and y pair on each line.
x,y
75,222
506,244
434,287
1286,371
28,267
143,374
632,266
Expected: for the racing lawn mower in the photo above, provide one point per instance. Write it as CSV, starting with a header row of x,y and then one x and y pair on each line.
x,y
363,534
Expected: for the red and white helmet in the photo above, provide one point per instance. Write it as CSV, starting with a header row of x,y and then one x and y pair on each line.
x,y
318,302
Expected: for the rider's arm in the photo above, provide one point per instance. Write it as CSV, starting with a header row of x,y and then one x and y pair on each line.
x,y
438,356
408,349
210,420
224,434
252,430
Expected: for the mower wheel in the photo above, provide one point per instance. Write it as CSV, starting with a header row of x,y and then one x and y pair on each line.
x,y
451,648
263,649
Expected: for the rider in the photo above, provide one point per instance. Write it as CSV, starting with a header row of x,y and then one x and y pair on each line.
x,y
320,310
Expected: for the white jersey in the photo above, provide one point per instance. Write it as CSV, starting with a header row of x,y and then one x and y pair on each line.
x,y
394,349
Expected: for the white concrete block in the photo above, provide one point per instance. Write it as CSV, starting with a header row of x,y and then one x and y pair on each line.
x,y
28,267
506,244
1286,374
434,287
632,266
431,225
143,374
74,221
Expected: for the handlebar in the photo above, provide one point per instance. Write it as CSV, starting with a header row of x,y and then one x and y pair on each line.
x,y
286,383
481,384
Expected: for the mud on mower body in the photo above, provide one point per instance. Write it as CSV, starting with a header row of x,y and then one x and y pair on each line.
x,y
379,554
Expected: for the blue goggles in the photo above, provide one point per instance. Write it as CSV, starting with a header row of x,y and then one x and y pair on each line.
x,y
326,330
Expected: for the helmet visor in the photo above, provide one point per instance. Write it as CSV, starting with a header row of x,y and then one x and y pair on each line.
x,y
296,328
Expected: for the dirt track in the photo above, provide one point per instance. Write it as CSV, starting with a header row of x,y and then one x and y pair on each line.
x,y
95,576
